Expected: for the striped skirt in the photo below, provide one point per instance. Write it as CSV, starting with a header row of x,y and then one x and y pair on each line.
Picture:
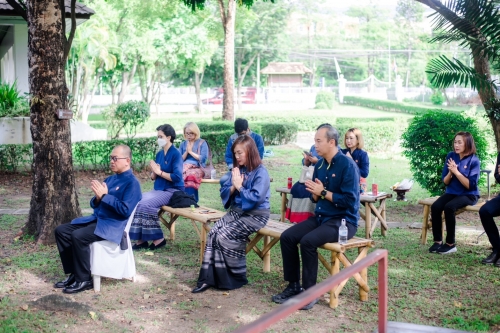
x,y
299,207
146,223
224,263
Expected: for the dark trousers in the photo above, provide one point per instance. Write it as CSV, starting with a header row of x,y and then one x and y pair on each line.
x,y
310,235
449,203
487,212
73,242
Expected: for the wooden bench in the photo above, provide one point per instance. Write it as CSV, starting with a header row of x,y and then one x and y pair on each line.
x,y
426,224
217,181
271,234
368,201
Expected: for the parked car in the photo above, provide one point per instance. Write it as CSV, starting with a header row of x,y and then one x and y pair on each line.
x,y
247,96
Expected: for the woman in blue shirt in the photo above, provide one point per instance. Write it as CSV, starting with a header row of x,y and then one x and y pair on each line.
x,y
194,153
460,175
246,196
354,143
167,175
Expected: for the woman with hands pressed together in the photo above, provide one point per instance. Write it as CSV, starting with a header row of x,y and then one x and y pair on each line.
x,y
194,151
246,196
460,175
354,143
166,171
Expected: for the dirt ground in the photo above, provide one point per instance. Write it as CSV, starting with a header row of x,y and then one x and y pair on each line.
x,y
160,300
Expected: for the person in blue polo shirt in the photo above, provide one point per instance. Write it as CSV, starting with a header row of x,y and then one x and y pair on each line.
x,y
460,175
335,189
240,128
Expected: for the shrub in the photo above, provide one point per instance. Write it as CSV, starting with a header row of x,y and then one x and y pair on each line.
x,y
437,97
326,97
126,116
218,142
428,140
12,104
321,106
278,134
14,157
389,105
216,126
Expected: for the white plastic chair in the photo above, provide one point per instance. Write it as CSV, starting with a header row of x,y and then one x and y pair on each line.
x,y
107,260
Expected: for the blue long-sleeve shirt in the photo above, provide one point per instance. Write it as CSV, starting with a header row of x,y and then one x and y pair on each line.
x,y
255,193
114,209
360,157
229,155
203,152
469,166
171,163
341,177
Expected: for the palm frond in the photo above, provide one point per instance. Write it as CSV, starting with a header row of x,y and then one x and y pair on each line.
x,y
446,72
477,21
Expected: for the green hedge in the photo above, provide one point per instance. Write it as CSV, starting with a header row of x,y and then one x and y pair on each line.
x,y
278,134
389,105
16,157
378,136
325,98
218,142
215,126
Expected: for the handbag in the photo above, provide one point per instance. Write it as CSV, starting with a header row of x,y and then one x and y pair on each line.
x,y
306,173
207,170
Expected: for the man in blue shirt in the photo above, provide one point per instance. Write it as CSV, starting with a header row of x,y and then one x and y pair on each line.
x,y
113,203
240,128
335,189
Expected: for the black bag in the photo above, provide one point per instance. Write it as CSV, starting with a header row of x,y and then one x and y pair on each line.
x,y
123,242
181,199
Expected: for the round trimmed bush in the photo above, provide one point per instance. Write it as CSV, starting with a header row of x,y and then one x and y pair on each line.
x,y
429,138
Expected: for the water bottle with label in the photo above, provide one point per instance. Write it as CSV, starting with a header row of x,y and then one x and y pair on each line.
x,y
343,233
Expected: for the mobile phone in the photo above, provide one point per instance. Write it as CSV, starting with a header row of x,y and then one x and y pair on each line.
x,y
307,153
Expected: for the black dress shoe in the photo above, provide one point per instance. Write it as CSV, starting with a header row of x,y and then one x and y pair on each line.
x,y
143,245
78,287
201,288
153,247
497,264
70,279
492,258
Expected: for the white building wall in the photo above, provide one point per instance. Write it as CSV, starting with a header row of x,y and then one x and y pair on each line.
x,y
21,57
7,67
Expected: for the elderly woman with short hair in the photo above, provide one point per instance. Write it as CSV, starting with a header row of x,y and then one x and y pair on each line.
x,y
194,151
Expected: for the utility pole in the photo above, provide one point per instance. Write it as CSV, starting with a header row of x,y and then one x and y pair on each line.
x,y
389,58
257,93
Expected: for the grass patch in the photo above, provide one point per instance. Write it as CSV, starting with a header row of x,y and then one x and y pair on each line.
x,y
13,319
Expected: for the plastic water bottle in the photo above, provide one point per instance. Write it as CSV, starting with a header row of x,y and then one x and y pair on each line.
x,y
343,233
213,174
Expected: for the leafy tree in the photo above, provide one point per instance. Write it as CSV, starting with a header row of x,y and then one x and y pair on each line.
x,y
228,17
473,25
126,116
54,198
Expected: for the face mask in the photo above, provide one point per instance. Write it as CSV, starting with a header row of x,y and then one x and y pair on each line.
x,y
162,142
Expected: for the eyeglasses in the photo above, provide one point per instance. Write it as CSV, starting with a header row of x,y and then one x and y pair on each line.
x,y
189,133
115,159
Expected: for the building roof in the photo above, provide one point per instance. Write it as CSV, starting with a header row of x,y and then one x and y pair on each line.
x,y
285,68
81,11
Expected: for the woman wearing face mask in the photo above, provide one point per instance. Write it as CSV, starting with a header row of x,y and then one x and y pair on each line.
x,y
354,143
246,196
194,151
460,175
166,171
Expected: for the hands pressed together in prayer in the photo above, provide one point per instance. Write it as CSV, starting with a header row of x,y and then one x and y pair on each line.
x,y
452,166
99,189
315,187
155,167
237,178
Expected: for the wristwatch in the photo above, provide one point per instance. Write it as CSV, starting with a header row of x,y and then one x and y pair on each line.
x,y
323,193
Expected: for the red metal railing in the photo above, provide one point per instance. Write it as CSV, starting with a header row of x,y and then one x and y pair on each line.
x,y
377,256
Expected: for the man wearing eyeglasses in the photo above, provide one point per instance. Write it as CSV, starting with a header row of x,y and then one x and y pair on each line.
x,y
113,202
335,189
240,128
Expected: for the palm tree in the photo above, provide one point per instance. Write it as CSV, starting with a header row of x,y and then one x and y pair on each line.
x,y
473,24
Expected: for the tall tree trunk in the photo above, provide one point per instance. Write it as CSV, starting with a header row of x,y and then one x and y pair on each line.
x,y
198,77
228,16
242,73
54,199
127,78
